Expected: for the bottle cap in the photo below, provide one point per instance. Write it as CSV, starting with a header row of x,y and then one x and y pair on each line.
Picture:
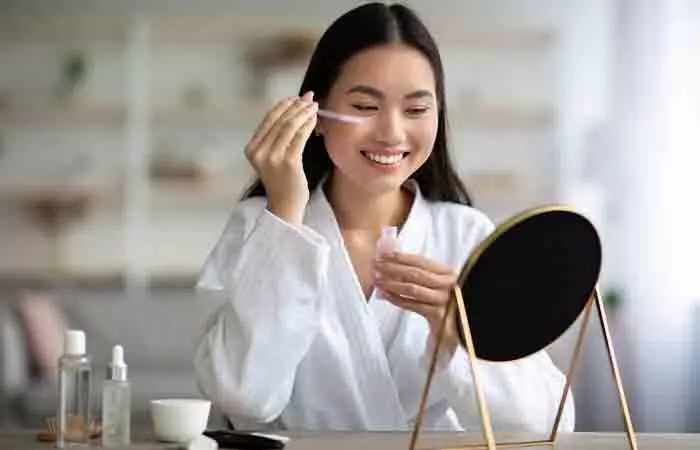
x,y
74,342
116,370
388,240
390,233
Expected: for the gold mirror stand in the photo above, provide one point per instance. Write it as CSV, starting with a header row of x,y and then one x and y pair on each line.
x,y
486,427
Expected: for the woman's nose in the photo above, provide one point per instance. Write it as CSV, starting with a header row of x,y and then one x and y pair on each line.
x,y
390,128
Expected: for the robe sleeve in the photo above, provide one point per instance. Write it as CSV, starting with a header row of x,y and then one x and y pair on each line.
x,y
521,395
265,276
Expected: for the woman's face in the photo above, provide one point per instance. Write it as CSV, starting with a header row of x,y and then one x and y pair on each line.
x,y
393,88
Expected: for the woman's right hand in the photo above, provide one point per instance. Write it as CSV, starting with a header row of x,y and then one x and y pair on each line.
x,y
275,152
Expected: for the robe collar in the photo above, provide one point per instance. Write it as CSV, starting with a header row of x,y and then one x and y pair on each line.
x,y
380,396
411,239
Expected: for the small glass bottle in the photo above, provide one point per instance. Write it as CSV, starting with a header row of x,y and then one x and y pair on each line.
x,y
74,386
116,402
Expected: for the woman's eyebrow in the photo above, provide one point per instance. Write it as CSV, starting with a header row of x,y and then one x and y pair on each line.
x,y
376,93
419,94
364,89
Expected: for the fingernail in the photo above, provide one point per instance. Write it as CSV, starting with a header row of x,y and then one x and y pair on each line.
x,y
309,95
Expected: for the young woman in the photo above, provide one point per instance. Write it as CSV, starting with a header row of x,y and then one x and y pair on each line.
x,y
316,329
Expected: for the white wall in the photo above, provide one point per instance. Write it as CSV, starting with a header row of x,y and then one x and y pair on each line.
x,y
650,159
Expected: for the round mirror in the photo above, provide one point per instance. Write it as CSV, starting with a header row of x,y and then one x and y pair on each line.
x,y
526,283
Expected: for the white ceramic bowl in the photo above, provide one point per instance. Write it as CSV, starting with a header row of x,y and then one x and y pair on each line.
x,y
179,419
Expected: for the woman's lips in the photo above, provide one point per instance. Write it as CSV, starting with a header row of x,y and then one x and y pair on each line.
x,y
385,158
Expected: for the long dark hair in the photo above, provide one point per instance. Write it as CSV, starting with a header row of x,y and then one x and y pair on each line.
x,y
366,26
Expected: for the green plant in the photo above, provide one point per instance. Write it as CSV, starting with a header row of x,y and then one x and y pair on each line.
x,y
612,299
75,68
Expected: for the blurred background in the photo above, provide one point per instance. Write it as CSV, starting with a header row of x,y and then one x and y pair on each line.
x,y
122,127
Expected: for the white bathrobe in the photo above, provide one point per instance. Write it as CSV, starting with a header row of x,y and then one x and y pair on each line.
x,y
295,344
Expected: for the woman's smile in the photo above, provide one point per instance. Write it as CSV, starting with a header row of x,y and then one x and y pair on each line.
x,y
385,159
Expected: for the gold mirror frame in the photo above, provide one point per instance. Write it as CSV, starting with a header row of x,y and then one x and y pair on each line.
x,y
456,299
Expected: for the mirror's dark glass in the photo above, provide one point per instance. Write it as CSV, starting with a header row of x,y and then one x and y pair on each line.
x,y
526,284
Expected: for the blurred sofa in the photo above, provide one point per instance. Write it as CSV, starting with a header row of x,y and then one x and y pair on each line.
x,y
157,331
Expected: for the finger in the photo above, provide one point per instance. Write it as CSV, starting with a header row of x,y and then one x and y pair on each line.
x,y
268,141
414,292
412,274
296,147
270,119
419,261
290,129
427,311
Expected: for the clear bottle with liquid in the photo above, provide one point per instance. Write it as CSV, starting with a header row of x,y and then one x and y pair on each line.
x,y
116,402
74,421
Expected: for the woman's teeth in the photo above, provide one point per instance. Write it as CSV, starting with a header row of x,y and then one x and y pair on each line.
x,y
385,159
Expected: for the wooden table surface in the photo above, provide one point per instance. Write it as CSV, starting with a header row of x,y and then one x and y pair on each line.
x,y
26,440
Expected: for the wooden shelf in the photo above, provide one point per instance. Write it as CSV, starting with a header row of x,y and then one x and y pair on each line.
x,y
63,30
63,115
217,190
451,32
225,29
503,184
161,192
113,278
27,190
502,116
246,115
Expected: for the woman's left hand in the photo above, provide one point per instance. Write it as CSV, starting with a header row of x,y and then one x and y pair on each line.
x,y
416,284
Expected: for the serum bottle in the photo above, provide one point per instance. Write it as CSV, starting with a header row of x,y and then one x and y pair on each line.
x,y
116,402
74,380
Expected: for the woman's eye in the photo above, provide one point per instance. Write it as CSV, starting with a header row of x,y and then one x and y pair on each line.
x,y
416,111
365,108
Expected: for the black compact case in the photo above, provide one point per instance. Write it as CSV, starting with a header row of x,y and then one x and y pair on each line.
x,y
244,441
